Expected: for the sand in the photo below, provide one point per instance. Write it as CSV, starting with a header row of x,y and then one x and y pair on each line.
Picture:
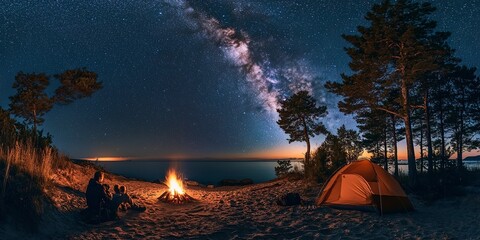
x,y
245,213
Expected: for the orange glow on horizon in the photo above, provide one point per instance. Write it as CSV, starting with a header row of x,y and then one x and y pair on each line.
x,y
277,152
106,159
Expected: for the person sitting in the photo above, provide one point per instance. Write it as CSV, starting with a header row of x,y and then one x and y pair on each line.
x,y
122,206
97,196
106,189
116,190
122,200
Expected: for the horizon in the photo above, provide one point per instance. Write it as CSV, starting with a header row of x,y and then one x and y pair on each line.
x,y
176,158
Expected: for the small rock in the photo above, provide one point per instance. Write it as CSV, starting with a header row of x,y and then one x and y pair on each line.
x,y
229,182
210,186
246,181
192,183
234,182
289,199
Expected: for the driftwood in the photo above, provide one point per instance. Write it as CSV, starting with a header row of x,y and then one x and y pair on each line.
x,y
176,198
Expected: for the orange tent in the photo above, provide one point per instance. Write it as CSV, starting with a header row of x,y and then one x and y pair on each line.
x,y
362,185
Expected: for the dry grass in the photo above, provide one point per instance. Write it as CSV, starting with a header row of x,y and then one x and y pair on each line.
x,y
25,172
37,163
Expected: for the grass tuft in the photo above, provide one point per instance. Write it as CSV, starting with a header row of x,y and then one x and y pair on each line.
x,y
25,172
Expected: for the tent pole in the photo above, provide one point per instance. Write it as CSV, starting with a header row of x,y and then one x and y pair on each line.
x,y
379,191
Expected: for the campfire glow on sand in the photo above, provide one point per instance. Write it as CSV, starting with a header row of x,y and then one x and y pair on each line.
x,y
176,192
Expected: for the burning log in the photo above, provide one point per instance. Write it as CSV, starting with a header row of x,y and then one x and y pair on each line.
x,y
176,198
175,193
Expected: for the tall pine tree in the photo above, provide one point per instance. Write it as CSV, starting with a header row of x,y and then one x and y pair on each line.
x,y
300,119
391,54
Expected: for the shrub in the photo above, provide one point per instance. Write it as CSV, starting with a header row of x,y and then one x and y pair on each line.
x,y
440,184
22,197
284,166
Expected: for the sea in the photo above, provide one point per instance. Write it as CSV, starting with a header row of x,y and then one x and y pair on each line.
x,y
203,171
213,171
403,167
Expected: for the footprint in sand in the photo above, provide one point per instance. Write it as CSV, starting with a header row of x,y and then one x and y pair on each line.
x,y
196,209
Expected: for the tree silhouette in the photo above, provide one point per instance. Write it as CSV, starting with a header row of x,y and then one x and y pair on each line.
x,y
351,143
336,151
299,118
328,157
76,84
31,100
391,55
464,107
373,126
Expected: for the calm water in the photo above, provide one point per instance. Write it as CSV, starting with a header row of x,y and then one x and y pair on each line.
x,y
403,167
206,172
210,172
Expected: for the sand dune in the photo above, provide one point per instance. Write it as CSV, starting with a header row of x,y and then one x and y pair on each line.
x,y
246,213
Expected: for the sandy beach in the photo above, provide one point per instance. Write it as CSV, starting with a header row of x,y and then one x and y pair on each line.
x,y
246,212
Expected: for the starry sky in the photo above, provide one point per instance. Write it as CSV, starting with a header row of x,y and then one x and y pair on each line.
x,y
190,79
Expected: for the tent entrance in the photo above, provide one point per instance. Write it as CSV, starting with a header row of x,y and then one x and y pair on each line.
x,y
354,190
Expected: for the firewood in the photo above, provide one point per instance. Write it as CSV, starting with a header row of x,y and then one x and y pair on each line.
x,y
175,198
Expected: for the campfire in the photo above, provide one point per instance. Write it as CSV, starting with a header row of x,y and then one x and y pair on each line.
x,y
176,192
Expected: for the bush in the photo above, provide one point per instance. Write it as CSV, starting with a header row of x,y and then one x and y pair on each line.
x,y
22,197
283,167
440,184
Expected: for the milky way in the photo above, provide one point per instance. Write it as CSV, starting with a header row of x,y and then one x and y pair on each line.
x,y
192,78
236,46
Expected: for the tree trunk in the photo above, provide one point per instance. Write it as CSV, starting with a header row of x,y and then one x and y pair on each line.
x,y
395,149
421,146
460,152
307,154
385,152
442,136
34,118
460,136
34,136
412,168
428,135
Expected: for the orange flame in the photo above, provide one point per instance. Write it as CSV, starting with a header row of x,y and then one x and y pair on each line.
x,y
174,183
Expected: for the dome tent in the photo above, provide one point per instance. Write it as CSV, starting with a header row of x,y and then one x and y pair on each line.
x,y
364,185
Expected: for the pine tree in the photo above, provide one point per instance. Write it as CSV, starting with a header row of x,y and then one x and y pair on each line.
x,y
300,119
31,101
465,90
75,84
351,143
392,54
373,126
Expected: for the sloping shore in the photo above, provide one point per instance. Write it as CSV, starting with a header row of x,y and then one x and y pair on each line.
x,y
244,213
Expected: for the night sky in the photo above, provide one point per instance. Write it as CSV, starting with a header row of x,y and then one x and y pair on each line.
x,y
193,78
